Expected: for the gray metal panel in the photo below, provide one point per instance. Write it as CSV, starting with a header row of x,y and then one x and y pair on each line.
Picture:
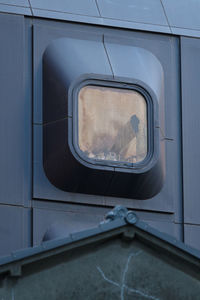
x,y
169,59
43,189
58,15
166,50
39,46
71,218
82,209
190,67
16,2
132,62
162,222
192,233
15,113
89,48
143,11
15,230
183,14
160,45
135,25
147,216
174,230
99,21
169,199
185,32
20,10
27,111
147,17
43,219
86,7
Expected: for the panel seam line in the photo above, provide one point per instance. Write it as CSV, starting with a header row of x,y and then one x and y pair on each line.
x,y
165,15
108,56
30,7
98,8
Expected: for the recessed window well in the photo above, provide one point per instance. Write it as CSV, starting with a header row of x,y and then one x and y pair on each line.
x,y
112,124
102,130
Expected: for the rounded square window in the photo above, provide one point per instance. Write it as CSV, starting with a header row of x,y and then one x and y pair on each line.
x,y
112,124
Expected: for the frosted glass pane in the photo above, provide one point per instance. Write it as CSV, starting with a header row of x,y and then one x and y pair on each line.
x,y
112,124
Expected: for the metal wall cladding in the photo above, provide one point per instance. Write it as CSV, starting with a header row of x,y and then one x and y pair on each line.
x,y
62,78
191,237
16,134
87,7
166,16
166,50
191,123
52,219
136,11
15,112
182,14
24,3
62,221
15,228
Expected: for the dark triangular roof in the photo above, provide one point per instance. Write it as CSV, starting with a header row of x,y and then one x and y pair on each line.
x,y
121,257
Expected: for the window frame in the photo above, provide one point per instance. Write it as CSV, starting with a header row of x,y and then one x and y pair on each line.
x,y
102,164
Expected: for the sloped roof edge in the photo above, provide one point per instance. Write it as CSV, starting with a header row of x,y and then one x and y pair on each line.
x,y
114,225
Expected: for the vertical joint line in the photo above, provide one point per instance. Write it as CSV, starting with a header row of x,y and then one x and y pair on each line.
x,y
108,57
32,133
181,137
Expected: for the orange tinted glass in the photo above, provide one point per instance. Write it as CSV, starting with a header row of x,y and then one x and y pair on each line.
x,y
112,124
